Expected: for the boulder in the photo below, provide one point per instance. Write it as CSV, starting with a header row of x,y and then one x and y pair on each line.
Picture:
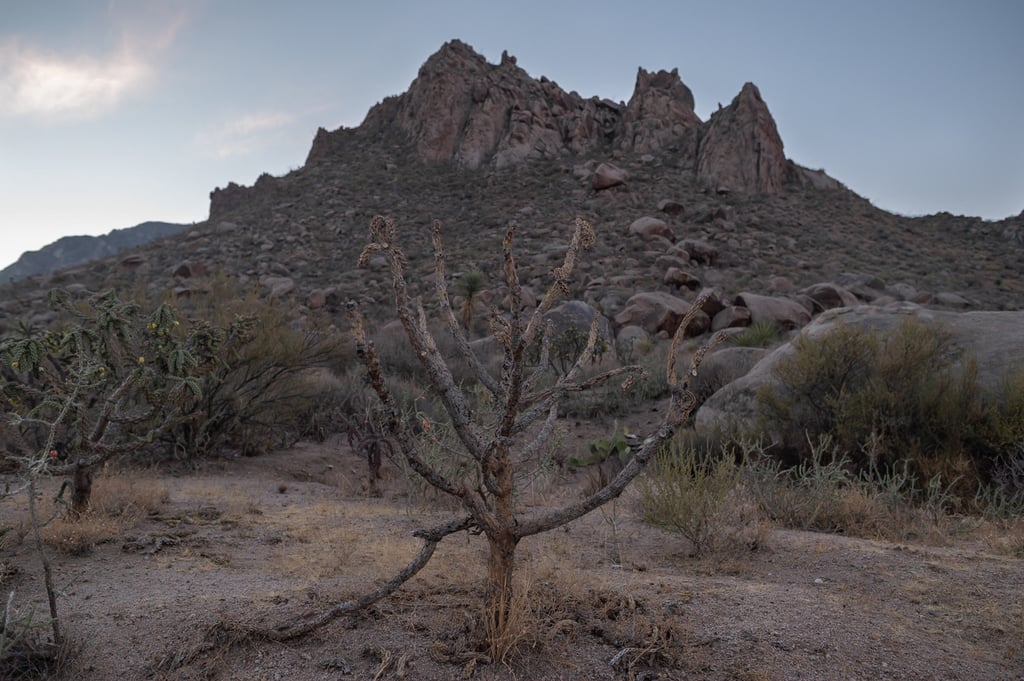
x,y
723,366
668,261
578,315
681,279
785,312
653,312
606,176
671,207
278,286
316,299
866,287
731,317
701,251
715,300
903,291
628,339
992,339
954,300
648,227
826,296
724,213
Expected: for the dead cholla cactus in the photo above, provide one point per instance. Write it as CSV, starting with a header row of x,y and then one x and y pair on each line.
x,y
368,440
523,402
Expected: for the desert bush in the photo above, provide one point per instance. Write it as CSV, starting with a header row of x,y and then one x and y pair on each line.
x,y
688,491
265,391
757,335
902,393
127,494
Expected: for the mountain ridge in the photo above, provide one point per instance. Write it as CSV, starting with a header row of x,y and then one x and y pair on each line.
x,y
495,155
74,250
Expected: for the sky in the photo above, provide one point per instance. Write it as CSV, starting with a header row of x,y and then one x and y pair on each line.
x,y
115,112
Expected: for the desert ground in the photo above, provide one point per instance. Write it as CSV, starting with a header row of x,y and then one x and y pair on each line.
x,y
229,548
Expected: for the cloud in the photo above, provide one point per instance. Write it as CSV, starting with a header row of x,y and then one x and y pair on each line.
x,y
45,84
37,84
242,135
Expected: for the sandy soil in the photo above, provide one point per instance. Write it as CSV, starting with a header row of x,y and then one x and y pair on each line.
x,y
260,542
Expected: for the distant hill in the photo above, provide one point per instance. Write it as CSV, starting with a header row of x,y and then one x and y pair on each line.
x,y
74,250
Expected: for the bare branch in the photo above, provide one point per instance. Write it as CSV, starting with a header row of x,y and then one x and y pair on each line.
x,y
541,402
613,489
682,403
371,360
382,230
542,437
431,536
582,238
461,342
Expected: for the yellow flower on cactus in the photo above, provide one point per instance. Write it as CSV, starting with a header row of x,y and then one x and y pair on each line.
x,y
142,360
14,365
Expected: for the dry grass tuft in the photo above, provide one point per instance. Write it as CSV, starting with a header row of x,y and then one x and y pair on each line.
x,y
505,634
1005,537
128,494
78,537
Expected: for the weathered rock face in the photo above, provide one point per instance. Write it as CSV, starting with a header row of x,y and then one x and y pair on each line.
x,y
740,148
462,109
659,113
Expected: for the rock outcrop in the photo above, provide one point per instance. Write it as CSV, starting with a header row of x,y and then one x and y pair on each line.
x,y
464,110
461,108
659,114
740,148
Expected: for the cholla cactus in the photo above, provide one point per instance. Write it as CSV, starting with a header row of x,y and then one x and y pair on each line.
x,y
107,380
523,403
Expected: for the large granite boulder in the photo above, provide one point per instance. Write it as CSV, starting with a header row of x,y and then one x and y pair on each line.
x,y
785,312
993,339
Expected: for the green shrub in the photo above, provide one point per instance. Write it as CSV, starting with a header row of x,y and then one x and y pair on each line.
x,y
688,492
758,335
263,392
893,401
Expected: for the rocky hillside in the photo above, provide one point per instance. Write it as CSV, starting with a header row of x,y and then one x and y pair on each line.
x,y
477,145
74,250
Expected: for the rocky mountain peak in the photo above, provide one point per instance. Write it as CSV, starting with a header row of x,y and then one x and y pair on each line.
x,y
464,110
740,148
659,112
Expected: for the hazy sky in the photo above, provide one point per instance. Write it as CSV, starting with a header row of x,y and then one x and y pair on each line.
x,y
121,111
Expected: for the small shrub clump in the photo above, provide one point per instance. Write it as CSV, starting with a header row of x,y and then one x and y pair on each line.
x,y
688,493
758,335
